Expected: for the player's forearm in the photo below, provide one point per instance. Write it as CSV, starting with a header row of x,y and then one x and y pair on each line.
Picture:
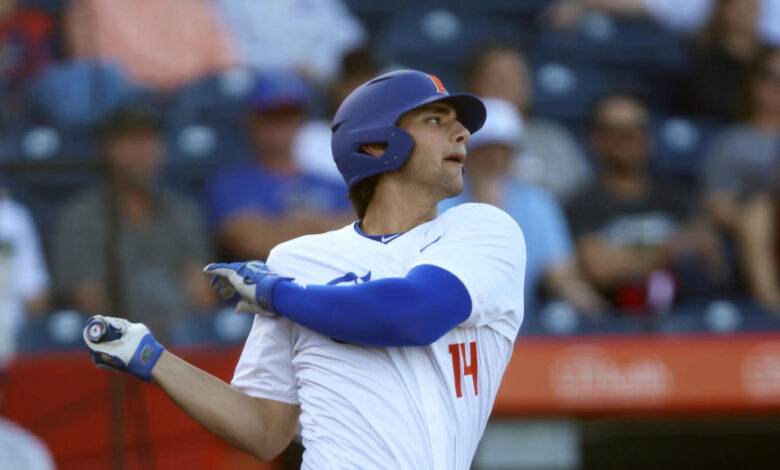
x,y
411,311
260,427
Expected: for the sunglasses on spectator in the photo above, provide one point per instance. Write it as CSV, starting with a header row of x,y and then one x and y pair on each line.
x,y
622,129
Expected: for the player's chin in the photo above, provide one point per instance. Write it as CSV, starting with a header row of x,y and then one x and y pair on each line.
x,y
453,186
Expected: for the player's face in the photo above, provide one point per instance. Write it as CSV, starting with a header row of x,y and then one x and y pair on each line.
x,y
436,163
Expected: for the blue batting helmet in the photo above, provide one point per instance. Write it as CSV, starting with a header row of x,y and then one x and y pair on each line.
x,y
369,115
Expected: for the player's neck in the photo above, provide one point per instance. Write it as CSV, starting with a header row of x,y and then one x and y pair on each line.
x,y
395,210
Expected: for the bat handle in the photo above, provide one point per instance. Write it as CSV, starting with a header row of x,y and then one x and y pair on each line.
x,y
100,330
97,330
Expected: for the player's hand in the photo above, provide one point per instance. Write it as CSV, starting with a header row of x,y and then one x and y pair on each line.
x,y
253,281
117,344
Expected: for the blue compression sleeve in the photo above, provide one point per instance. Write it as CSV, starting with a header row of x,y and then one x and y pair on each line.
x,y
415,310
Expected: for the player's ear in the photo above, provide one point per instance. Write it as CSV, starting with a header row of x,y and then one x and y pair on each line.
x,y
375,149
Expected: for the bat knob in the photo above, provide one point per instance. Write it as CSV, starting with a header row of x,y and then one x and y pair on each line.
x,y
96,331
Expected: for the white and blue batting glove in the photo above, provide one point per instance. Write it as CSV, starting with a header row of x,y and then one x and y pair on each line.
x,y
117,344
253,281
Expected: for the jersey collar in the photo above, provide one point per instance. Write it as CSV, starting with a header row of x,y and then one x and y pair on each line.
x,y
384,238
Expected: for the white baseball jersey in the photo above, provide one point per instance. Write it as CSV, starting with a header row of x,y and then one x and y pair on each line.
x,y
395,408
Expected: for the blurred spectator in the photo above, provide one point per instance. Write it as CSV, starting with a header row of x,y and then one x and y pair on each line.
x,y
19,448
260,203
638,242
722,54
162,43
312,143
758,239
27,46
550,156
24,280
741,160
686,17
740,180
550,264
27,42
129,246
309,36
726,37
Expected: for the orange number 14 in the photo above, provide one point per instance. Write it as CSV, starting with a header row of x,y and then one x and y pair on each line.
x,y
458,353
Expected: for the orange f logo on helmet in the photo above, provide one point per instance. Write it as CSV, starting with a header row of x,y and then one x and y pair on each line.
x,y
438,83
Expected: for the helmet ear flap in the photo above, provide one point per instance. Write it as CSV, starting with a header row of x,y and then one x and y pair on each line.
x,y
362,165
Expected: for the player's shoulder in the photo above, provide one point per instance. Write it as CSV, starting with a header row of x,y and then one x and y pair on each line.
x,y
308,244
477,213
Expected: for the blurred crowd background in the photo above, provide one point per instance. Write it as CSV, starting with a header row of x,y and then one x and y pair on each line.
x,y
636,143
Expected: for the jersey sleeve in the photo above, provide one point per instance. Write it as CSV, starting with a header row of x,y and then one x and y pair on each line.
x,y
265,368
484,248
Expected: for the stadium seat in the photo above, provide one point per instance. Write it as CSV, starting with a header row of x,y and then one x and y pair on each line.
x,y
606,41
45,166
222,328
218,96
50,6
507,6
436,39
57,331
80,93
566,91
198,149
559,318
719,316
680,143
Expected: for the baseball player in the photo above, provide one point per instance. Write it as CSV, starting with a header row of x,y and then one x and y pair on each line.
x,y
386,339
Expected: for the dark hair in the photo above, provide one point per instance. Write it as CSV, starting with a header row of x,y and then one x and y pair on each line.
x,y
359,62
131,117
595,107
757,69
361,194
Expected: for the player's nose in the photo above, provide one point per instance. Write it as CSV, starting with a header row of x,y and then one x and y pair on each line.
x,y
460,134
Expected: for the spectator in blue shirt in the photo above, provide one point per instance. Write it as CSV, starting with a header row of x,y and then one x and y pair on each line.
x,y
268,199
551,269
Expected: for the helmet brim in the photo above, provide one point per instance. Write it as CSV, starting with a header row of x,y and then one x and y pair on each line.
x,y
470,109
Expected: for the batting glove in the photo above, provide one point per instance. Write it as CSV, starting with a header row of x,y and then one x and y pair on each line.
x,y
117,344
253,281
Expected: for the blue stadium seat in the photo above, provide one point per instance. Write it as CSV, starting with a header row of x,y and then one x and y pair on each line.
x,y
42,142
45,166
680,144
222,328
374,15
80,93
525,7
195,151
435,40
52,6
558,318
57,331
223,95
603,40
566,91
718,316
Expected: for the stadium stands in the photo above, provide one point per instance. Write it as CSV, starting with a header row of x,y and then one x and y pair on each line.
x,y
49,152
